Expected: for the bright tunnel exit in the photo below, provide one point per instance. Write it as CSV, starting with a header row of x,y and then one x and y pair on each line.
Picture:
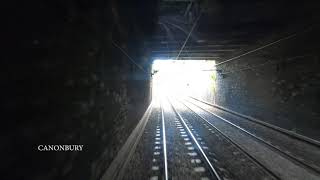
x,y
196,78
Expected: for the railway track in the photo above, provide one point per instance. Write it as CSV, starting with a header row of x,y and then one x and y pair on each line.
x,y
178,142
164,142
205,158
312,167
209,132
186,159
267,125
168,150
307,168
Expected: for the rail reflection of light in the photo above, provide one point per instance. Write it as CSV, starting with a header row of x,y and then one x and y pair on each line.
x,y
182,78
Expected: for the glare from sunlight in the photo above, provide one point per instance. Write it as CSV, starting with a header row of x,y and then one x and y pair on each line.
x,y
184,78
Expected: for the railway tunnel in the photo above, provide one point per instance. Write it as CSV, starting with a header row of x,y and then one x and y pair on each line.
x,y
161,89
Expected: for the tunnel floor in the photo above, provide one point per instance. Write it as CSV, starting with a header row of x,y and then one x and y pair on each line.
x,y
186,138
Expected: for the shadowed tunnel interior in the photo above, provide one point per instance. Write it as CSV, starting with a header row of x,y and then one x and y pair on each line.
x,y
82,72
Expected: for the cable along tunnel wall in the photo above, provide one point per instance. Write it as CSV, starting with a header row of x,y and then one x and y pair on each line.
x,y
278,85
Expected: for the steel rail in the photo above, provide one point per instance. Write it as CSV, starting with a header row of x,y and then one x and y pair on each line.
x,y
291,157
235,144
297,136
196,142
164,144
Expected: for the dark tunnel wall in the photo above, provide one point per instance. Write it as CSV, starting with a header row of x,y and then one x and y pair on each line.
x,y
279,84
63,82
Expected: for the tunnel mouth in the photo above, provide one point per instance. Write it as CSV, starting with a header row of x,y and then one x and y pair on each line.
x,y
181,78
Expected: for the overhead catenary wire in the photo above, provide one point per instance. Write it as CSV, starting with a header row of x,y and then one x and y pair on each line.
x,y
269,62
131,60
264,46
192,28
